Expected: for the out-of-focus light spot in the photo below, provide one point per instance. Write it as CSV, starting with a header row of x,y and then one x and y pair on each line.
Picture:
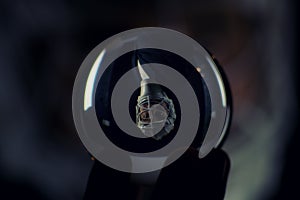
x,y
89,88
213,114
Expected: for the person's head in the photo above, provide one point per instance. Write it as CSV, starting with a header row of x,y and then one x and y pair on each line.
x,y
155,112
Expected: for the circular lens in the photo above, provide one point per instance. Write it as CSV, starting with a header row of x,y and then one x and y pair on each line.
x,y
164,78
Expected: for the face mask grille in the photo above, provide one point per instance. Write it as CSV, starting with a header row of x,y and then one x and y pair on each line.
x,y
155,115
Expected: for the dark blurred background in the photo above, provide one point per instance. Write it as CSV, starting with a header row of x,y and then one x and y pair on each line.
x,y
42,45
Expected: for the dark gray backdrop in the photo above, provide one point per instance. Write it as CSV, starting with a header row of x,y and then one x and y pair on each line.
x,y
42,44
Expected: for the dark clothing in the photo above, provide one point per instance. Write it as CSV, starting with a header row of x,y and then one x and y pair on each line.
x,y
187,178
